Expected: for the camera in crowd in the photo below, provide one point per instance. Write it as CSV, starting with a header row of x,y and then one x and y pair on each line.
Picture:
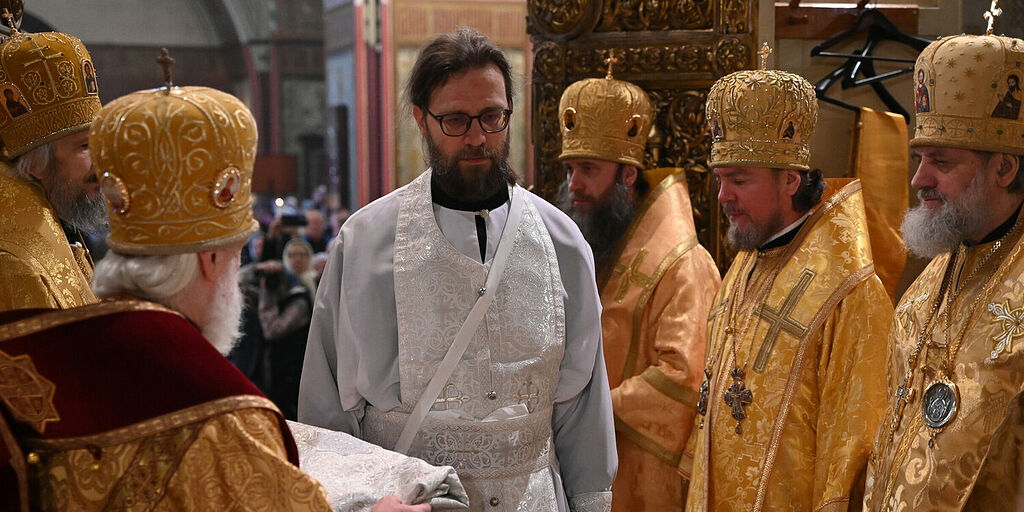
x,y
270,275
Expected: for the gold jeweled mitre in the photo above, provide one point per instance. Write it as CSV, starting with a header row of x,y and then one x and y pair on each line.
x,y
175,166
605,119
761,118
967,91
48,87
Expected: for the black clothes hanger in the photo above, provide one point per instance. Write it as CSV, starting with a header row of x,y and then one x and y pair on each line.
x,y
879,28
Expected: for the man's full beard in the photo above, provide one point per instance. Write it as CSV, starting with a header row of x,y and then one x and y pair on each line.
x,y
224,328
754,235
606,223
79,209
450,178
927,233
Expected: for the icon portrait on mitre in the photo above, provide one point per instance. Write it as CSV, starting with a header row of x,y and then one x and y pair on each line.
x,y
921,92
1009,99
13,101
89,74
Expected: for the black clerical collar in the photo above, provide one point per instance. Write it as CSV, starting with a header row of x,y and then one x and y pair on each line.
x,y
440,198
785,238
72,233
1000,231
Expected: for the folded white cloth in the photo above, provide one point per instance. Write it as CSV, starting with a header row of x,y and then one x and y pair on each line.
x,y
357,474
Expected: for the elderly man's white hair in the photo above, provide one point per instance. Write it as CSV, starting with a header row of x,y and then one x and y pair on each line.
x,y
163,279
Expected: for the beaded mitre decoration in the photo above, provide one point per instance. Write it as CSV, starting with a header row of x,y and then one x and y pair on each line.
x,y
967,91
605,119
48,87
761,118
175,167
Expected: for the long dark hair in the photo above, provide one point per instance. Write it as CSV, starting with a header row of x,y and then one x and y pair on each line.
x,y
449,54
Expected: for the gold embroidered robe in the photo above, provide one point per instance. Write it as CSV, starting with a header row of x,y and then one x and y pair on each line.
x,y
93,417
229,461
812,344
38,269
976,461
655,303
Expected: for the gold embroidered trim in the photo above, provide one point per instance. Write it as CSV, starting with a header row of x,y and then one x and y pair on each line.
x,y
209,245
27,394
57,318
156,425
668,387
645,295
834,504
794,377
648,444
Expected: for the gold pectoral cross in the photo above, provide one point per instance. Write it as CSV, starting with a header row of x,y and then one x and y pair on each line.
x,y
737,397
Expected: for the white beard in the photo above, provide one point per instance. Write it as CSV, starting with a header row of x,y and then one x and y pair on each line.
x,y
930,232
224,327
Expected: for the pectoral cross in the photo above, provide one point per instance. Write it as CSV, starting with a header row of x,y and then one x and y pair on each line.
x,y
903,395
991,14
737,397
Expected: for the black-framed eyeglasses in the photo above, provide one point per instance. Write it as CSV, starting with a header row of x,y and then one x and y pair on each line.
x,y
457,124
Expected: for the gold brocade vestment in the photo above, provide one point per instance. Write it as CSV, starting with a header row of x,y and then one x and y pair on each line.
x,y
655,303
38,269
975,463
812,346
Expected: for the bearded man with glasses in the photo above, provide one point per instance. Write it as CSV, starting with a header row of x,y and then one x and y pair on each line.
x,y
458,319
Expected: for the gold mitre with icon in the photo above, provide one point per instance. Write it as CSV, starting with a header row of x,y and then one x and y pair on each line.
x,y
48,86
605,119
175,167
967,91
761,118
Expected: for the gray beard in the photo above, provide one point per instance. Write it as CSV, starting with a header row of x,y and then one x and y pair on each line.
x,y
754,236
927,234
88,214
449,177
604,226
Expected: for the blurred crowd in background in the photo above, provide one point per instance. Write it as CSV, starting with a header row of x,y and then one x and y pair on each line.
x,y
281,268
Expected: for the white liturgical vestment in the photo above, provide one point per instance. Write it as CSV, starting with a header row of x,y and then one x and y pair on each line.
x,y
525,418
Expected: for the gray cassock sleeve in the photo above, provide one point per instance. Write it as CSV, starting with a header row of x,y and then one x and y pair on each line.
x,y
319,388
583,424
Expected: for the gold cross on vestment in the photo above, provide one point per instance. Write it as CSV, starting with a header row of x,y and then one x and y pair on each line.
x,y
528,396
450,396
764,52
781,320
631,275
1013,326
991,14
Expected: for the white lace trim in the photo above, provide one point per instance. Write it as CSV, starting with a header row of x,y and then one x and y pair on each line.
x,y
591,502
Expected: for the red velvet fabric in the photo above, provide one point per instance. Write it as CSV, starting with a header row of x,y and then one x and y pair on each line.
x,y
120,369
